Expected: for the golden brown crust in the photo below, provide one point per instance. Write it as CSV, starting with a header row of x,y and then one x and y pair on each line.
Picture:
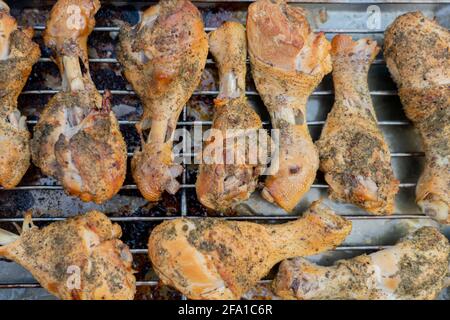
x,y
91,163
153,170
228,45
219,259
68,27
416,52
81,258
415,268
15,155
280,35
164,68
77,139
222,186
19,54
288,62
353,153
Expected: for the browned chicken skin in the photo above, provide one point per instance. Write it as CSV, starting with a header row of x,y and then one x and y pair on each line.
x,y
353,153
18,53
417,55
163,58
415,268
288,62
77,139
222,186
81,258
220,259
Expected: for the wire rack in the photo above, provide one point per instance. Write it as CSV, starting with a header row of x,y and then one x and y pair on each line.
x,y
354,248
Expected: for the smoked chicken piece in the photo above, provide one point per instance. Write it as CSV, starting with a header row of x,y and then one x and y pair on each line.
x,y
163,58
288,61
219,259
415,268
417,55
353,153
77,139
221,185
18,53
80,258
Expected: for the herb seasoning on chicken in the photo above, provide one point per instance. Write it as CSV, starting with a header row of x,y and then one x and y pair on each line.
x,y
221,186
353,153
219,259
81,258
288,61
417,53
415,268
163,58
17,56
77,139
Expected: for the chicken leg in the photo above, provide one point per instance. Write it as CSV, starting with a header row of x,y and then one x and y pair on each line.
x,y
81,258
18,53
417,55
163,58
77,139
219,259
221,186
415,268
353,153
288,61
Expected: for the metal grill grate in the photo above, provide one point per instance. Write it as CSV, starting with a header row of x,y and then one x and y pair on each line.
x,y
389,225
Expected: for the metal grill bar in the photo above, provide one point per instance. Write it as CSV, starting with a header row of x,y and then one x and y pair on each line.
x,y
214,92
36,285
209,29
393,154
134,187
209,123
208,61
284,217
341,248
183,191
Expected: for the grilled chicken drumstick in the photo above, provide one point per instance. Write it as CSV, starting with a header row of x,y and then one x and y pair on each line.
x,y
220,259
80,258
417,55
415,268
163,58
353,153
77,139
222,186
17,56
288,61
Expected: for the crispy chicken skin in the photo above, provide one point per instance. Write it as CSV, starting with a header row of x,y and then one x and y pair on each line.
x,y
68,28
353,153
222,186
415,268
417,55
18,53
80,258
220,259
163,58
288,61
77,139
